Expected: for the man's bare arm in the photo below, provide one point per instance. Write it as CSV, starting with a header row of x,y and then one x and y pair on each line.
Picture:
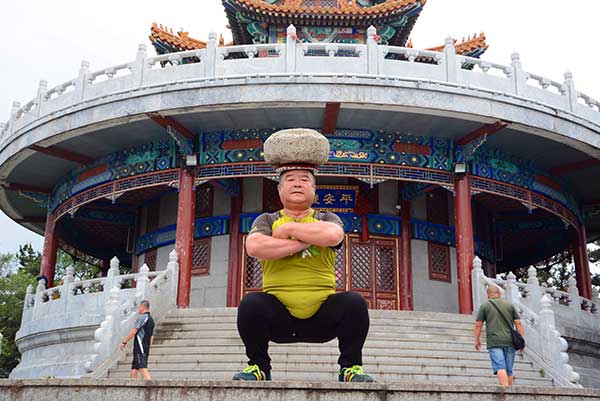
x,y
321,233
478,326
265,247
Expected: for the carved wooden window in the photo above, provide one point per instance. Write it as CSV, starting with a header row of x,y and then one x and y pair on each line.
x,y
150,259
252,279
204,201
439,262
152,217
340,267
201,256
439,254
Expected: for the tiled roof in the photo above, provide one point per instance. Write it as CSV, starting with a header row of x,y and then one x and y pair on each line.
x,y
345,7
476,43
180,41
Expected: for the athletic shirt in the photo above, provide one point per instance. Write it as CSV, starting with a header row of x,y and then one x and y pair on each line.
x,y
302,284
145,326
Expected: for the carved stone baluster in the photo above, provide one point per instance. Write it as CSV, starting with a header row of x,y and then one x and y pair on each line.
x,y
534,291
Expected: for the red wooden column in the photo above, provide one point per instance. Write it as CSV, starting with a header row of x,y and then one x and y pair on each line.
x,y
465,250
234,271
50,249
184,235
582,264
406,293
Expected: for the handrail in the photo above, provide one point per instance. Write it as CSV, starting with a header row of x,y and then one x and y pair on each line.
x,y
447,68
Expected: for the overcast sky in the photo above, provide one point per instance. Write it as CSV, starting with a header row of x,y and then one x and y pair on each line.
x,y
48,40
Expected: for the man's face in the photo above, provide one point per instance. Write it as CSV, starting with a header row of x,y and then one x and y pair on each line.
x,y
297,188
141,309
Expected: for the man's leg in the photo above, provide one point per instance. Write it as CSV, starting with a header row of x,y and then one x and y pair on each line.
x,y
502,377
344,315
133,374
498,360
145,374
509,356
261,317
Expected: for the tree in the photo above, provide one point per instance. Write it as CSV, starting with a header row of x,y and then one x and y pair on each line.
x,y
13,285
29,259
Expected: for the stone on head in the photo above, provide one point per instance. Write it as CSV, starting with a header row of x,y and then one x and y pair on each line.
x,y
297,148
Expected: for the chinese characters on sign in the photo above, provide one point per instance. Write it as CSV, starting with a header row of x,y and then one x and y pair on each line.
x,y
336,198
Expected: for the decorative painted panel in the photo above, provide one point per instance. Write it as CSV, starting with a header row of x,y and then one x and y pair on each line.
x,y
149,157
204,201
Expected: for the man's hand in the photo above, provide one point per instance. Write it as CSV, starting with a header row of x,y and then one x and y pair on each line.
x,y
122,346
282,232
477,345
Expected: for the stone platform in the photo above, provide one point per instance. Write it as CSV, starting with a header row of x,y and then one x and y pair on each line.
x,y
188,390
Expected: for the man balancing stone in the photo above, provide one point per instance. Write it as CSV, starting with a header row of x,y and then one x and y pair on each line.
x,y
296,247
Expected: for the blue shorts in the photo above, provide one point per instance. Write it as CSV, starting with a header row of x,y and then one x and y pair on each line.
x,y
503,358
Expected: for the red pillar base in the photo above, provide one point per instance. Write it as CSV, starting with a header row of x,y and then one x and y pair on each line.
x,y
48,265
405,282
465,249
184,235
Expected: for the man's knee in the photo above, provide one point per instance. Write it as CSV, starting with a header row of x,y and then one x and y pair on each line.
x,y
253,304
355,301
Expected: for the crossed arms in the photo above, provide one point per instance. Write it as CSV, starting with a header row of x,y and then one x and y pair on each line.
x,y
280,244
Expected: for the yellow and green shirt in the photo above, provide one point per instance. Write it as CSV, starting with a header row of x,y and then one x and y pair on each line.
x,y
301,282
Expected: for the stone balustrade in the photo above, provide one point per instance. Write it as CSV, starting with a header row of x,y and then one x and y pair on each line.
x,y
76,327
541,309
294,59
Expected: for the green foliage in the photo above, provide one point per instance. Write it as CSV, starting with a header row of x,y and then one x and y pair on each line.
x,y
13,285
29,260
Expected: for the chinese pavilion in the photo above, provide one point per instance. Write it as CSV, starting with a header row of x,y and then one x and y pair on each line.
x,y
436,156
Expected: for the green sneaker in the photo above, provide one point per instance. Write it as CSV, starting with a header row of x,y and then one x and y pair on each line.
x,y
252,373
354,374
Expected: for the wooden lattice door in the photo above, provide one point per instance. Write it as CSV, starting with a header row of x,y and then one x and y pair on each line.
x,y
373,271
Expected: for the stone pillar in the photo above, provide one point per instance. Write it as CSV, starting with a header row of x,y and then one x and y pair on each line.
x,y
184,235
405,282
50,249
463,222
234,272
582,265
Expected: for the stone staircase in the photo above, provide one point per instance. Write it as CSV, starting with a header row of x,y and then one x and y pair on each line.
x,y
401,347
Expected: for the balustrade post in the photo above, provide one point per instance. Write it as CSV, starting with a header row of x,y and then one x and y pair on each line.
x,y
38,299
574,298
290,49
139,66
141,284
534,291
13,116
173,268
372,53
109,280
519,77
479,290
82,80
211,55
27,305
451,61
67,286
41,97
511,293
571,91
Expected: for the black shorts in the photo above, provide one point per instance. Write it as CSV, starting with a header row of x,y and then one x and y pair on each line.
x,y
140,361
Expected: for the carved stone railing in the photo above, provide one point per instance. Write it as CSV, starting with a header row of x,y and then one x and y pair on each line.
x,y
75,328
292,59
537,307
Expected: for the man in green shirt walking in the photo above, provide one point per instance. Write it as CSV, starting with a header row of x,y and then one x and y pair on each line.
x,y
498,334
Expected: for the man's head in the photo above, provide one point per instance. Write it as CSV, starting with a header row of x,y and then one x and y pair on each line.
x,y
143,307
493,292
297,189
